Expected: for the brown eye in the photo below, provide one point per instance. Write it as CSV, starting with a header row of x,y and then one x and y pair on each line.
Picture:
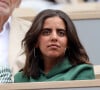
x,y
45,32
61,33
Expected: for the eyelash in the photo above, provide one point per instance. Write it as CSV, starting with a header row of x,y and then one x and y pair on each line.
x,y
45,32
59,32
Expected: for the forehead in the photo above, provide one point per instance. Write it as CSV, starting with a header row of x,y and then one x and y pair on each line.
x,y
53,17
54,20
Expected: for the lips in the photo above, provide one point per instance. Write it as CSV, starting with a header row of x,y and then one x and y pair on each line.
x,y
54,46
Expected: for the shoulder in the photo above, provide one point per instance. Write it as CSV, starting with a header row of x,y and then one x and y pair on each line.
x,y
20,77
84,71
84,66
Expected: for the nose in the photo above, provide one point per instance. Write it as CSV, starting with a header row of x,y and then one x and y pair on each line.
x,y
54,36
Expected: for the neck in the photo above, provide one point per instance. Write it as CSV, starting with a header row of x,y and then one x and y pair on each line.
x,y
3,19
50,63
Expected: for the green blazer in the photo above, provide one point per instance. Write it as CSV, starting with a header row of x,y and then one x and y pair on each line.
x,y
61,72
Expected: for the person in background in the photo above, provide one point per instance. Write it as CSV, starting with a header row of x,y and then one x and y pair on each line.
x,y
40,5
53,50
91,0
6,9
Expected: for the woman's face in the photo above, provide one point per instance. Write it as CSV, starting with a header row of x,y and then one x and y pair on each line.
x,y
52,41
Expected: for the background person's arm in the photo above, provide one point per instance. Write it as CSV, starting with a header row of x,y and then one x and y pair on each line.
x,y
5,75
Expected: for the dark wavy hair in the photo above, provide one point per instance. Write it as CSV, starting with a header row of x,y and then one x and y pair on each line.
x,y
75,53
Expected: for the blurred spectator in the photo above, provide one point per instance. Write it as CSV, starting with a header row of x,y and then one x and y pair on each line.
x,y
6,9
92,0
40,5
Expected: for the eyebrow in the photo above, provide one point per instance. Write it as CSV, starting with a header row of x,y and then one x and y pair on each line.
x,y
61,29
56,29
46,28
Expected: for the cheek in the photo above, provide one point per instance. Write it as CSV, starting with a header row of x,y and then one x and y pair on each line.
x,y
64,43
42,42
42,46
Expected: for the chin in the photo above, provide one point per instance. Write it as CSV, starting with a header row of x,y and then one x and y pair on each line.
x,y
53,55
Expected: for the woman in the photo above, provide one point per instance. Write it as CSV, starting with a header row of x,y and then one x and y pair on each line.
x,y
53,51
